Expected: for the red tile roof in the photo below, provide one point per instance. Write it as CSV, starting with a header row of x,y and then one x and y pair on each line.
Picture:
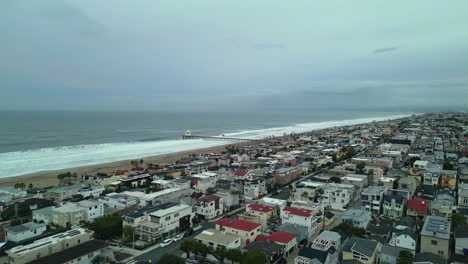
x,y
209,198
240,173
261,208
238,224
420,204
282,237
298,211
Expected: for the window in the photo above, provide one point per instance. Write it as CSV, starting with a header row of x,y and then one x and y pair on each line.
x,y
441,252
434,242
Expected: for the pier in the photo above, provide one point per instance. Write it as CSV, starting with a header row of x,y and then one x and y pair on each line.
x,y
189,135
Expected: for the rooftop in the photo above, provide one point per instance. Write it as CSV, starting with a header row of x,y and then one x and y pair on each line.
x,y
298,211
374,190
72,253
217,237
436,226
23,227
261,208
238,224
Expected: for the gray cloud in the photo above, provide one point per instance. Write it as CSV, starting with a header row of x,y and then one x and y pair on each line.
x,y
389,49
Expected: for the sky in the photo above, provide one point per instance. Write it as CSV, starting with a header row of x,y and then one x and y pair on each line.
x,y
232,55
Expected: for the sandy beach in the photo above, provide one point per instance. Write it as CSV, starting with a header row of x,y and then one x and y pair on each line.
x,y
49,178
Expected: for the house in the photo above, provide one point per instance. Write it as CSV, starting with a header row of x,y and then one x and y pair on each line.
x,y
68,215
363,250
231,199
134,218
170,218
394,206
358,218
24,231
286,175
432,174
338,196
92,210
217,239
421,164
389,254
246,230
209,207
254,189
405,238
91,191
272,251
419,208
72,246
43,215
428,258
325,249
118,200
372,199
448,179
8,194
284,239
301,232
461,245
299,216
261,212
463,195
408,185
435,236
444,203
273,202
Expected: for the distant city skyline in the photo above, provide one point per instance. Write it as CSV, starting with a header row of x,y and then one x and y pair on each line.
x,y
257,55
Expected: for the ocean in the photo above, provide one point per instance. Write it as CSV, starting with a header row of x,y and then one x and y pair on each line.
x,y
34,141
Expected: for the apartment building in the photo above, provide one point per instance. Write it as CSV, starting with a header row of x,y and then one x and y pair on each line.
x,y
435,236
372,199
209,207
246,230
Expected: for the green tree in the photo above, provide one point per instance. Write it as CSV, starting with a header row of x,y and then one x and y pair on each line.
x,y
304,194
335,179
201,249
98,260
30,186
171,258
405,257
220,253
234,255
127,233
360,168
107,227
448,166
349,229
188,246
254,256
458,220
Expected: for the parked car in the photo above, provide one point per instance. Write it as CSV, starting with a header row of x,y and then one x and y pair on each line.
x,y
178,237
188,232
166,243
191,261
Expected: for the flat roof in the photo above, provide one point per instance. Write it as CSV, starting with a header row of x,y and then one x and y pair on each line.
x,y
217,237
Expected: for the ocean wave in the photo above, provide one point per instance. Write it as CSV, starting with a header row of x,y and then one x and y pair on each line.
x,y
56,158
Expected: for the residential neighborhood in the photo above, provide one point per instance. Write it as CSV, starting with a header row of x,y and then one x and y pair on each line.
x,y
390,192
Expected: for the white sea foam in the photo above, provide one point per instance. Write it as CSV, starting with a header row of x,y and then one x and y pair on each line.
x,y
45,159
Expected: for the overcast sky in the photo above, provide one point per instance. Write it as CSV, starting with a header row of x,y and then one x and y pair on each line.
x,y
187,54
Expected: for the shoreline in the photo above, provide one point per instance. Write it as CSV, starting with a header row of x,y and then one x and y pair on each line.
x,y
49,178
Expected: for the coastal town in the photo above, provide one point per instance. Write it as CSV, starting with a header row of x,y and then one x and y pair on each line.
x,y
393,192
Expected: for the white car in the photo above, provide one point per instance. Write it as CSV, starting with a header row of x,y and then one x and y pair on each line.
x,y
166,243
178,237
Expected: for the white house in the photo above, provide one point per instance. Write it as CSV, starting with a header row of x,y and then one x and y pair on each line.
x,y
338,196
404,238
210,206
92,191
299,216
92,210
43,215
24,231
214,239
